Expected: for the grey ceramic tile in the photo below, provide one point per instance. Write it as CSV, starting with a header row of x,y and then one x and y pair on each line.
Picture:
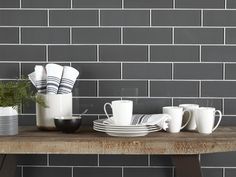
x,y
22,53
175,53
150,172
18,172
198,71
218,89
176,17
45,3
47,171
45,35
230,71
26,120
23,17
123,160
230,36
96,35
199,36
72,160
99,172
73,18
125,18
146,71
97,3
98,70
123,53
231,4
85,88
9,70
9,4
219,18
219,159
230,172
29,108
147,35
228,121
229,106
32,159
9,35
87,121
123,88
174,88
219,53
148,4
212,172
160,160
72,53
200,4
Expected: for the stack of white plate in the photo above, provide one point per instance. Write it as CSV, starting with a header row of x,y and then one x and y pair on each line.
x,y
102,125
8,125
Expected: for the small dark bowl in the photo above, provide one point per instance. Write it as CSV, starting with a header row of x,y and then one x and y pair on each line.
x,y
67,124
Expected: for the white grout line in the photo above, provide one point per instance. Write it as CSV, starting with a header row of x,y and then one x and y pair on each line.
x,y
22,171
202,15
70,35
174,4
48,20
149,160
149,89
173,35
172,71
47,53
98,160
147,26
99,17
47,159
223,106
122,171
121,35
98,57
224,71
19,35
224,36
121,70
98,89
200,89
72,172
172,101
20,72
149,53
71,4
223,175
150,18
225,4
200,53
122,4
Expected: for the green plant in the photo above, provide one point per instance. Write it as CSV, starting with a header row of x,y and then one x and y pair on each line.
x,y
14,93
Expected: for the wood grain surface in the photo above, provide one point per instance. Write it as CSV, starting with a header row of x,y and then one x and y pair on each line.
x,y
33,141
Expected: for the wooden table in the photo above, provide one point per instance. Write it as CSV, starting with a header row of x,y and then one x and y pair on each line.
x,y
184,147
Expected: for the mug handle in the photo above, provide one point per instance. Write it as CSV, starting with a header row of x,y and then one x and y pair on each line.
x,y
190,115
218,123
106,110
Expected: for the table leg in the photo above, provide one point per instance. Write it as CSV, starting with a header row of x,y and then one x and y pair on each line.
x,y
187,165
7,165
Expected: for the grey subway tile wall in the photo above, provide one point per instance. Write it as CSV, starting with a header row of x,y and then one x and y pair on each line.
x,y
154,52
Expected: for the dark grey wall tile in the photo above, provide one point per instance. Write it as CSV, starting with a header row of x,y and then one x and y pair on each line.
x,y
160,160
146,71
99,172
96,35
198,71
200,4
229,106
230,172
175,53
45,35
73,17
47,171
23,17
219,18
150,172
176,18
228,121
22,53
230,36
123,53
45,3
26,120
148,4
231,4
230,71
123,160
218,53
9,4
85,88
32,159
199,36
29,108
9,35
18,172
72,160
219,159
87,121
147,35
123,88
174,88
9,70
125,18
206,102
72,53
97,3
212,172
98,70
218,89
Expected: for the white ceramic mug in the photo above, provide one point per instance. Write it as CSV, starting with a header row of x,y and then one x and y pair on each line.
x,y
122,111
205,119
176,113
192,123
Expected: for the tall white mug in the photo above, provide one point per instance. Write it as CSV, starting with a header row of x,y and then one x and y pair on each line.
x,y
176,113
192,123
122,111
205,119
